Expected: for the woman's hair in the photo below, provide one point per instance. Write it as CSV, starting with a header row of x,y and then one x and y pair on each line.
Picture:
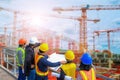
x,y
20,45
41,51
85,67
69,61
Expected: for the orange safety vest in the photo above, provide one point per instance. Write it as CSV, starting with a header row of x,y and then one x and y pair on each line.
x,y
88,75
40,73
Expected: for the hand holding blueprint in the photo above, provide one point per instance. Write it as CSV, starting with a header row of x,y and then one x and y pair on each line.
x,y
56,58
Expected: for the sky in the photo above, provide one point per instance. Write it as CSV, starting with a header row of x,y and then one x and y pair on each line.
x,y
40,10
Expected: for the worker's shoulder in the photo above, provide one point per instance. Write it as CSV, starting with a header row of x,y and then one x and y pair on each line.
x,y
70,64
73,64
28,48
19,51
43,60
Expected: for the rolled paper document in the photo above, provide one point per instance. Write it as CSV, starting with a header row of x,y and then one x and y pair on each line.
x,y
58,75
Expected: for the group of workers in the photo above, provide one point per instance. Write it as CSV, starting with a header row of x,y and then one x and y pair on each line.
x,y
35,66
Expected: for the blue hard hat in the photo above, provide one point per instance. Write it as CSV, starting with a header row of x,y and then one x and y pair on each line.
x,y
86,59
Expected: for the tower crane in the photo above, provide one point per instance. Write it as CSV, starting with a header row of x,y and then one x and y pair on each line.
x,y
14,23
14,37
6,28
83,25
75,18
108,35
78,19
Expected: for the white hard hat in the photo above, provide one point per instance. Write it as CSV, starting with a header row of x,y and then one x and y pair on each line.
x,y
33,40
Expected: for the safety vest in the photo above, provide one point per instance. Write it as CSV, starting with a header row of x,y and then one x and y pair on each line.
x,y
40,73
69,69
36,56
88,75
23,55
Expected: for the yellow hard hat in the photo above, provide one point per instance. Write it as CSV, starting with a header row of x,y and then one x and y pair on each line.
x,y
43,47
69,54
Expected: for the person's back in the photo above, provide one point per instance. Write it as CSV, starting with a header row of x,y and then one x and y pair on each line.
x,y
20,57
86,71
42,64
87,75
68,69
29,58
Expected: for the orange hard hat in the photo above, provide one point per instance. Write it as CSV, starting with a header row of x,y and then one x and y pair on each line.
x,y
22,41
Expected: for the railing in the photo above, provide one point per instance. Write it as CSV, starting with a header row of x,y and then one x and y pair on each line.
x,y
8,61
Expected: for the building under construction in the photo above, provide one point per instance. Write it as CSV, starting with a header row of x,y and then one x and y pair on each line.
x,y
86,33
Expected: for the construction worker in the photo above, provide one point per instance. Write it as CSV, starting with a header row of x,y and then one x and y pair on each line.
x,y
68,69
20,56
87,71
42,64
29,64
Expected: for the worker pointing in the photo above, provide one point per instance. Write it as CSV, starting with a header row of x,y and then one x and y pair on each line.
x,y
20,57
68,69
86,71
42,64
29,58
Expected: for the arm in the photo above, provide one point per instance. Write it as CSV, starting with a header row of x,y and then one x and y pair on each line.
x,y
50,64
36,45
46,56
62,75
20,57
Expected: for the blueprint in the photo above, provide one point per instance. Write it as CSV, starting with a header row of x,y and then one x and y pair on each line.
x,y
56,58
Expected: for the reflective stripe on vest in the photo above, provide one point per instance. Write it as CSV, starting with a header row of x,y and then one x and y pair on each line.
x,y
36,57
23,55
40,73
84,75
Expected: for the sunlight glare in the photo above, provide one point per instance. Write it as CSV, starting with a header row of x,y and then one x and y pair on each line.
x,y
37,21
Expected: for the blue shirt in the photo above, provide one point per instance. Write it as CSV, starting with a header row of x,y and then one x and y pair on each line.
x,y
20,57
43,64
